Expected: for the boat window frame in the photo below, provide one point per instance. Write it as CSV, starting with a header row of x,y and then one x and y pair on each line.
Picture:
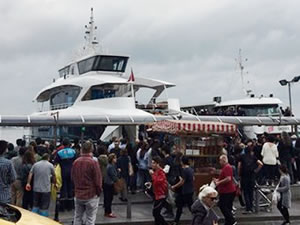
x,y
105,91
65,104
249,108
64,71
83,69
99,58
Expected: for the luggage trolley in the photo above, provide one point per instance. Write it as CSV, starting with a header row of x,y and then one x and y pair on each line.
x,y
262,198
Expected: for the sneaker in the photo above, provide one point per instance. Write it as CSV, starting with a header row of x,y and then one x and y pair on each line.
x,y
110,215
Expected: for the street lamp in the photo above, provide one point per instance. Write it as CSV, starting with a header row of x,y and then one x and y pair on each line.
x,y
286,82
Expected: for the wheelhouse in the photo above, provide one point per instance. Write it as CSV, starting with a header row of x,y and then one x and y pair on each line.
x,y
106,63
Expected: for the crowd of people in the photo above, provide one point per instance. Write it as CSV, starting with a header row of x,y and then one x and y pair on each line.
x,y
28,171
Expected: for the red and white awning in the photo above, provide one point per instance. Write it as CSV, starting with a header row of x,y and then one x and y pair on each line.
x,y
193,127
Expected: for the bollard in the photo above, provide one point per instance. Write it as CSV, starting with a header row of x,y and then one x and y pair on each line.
x,y
128,207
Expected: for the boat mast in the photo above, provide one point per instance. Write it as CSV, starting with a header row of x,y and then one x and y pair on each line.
x,y
90,37
240,61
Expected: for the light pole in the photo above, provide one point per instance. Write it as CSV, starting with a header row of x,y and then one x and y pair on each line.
x,y
286,82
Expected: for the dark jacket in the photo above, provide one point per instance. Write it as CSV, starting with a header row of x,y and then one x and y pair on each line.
x,y
111,174
123,164
201,216
285,152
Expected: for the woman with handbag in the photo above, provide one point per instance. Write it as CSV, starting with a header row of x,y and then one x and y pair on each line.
x,y
284,203
110,178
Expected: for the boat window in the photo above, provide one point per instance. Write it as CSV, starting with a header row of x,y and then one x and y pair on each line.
x,y
64,71
110,63
64,98
86,65
248,110
261,110
107,91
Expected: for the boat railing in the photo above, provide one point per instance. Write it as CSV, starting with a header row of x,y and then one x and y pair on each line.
x,y
154,107
268,115
60,106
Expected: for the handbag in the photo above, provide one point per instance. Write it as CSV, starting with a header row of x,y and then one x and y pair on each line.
x,y
119,185
275,196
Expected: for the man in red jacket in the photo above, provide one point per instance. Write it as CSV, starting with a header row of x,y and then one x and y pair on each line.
x,y
160,189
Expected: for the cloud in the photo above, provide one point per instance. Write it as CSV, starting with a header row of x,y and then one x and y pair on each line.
x,y
192,43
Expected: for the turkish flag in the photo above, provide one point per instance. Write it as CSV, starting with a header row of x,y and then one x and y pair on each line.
x,y
131,77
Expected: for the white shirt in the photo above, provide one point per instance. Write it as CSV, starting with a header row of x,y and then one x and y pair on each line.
x,y
269,153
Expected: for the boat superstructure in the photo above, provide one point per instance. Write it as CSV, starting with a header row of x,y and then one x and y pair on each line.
x,y
96,84
249,106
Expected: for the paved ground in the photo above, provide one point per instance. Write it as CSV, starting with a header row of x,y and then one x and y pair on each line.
x,y
142,214
268,223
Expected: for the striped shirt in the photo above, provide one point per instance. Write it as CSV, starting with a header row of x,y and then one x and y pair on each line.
x,y
7,177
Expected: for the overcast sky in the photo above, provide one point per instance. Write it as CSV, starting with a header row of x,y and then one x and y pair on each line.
x,y
192,43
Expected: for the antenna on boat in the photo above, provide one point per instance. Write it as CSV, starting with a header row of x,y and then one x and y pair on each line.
x,y
90,37
241,67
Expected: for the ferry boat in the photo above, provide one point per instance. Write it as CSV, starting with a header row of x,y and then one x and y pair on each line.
x,y
250,106
93,98
246,107
96,84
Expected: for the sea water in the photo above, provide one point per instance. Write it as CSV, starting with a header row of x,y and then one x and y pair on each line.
x,y
11,134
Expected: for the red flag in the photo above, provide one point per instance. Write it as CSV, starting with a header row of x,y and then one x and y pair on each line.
x,y
131,77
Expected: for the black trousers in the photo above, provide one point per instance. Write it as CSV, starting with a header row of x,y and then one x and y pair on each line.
x,y
283,210
247,184
108,191
181,200
225,204
27,202
157,206
270,172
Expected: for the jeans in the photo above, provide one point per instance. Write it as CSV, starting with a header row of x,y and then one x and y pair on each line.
x,y
108,191
142,177
41,202
283,210
88,207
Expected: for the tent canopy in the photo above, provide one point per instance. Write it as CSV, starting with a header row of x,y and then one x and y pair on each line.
x,y
193,127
